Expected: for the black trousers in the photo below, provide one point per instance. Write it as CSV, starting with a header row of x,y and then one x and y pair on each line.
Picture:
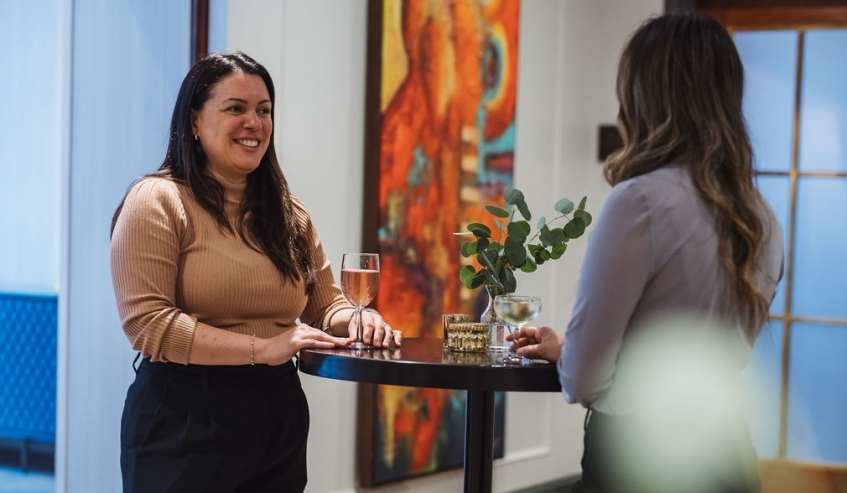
x,y
214,429
668,455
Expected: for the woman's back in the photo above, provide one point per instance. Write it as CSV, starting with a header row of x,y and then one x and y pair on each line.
x,y
653,255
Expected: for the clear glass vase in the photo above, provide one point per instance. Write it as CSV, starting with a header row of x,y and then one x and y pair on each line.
x,y
488,314
497,328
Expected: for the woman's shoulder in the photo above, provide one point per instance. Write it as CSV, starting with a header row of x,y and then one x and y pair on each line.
x,y
298,204
665,198
152,201
156,192
160,186
669,185
303,218
301,212
671,175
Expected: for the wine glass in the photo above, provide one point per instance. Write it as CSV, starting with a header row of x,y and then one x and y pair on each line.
x,y
359,283
516,310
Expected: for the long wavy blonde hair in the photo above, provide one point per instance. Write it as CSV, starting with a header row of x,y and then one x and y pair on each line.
x,y
680,84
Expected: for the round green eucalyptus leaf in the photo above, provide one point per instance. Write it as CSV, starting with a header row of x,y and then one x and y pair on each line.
x,y
581,206
557,237
565,206
540,255
513,195
546,237
479,230
515,253
541,224
524,209
518,231
469,248
497,211
529,266
575,228
552,237
466,274
476,282
483,261
584,215
558,251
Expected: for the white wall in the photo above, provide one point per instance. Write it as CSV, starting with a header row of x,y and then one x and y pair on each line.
x,y
30,145
128,61
568,58
315,52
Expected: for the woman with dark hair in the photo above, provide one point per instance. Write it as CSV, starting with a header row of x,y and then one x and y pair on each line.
x,y
220,279
677,279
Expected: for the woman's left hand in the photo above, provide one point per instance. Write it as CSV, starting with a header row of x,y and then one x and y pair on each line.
x,y
376,331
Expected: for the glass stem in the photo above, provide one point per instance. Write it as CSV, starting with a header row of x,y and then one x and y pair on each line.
x,y
359,325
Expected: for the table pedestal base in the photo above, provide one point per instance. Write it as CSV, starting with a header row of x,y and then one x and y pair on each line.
x,y
479,441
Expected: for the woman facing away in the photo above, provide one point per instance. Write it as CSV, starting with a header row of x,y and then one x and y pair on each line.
x,y
677,280
220,279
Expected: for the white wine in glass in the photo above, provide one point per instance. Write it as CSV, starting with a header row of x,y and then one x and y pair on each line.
x,y
359,283
517,311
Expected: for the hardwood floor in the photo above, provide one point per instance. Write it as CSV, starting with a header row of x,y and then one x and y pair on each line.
x,y
799,477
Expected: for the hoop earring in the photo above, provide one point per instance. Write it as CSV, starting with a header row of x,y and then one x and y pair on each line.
x,y
197,137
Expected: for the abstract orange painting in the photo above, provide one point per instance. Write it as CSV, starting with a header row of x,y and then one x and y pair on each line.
x,y
440,137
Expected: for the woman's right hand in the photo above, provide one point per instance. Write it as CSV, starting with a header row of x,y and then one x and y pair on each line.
x,y
537,343
280,349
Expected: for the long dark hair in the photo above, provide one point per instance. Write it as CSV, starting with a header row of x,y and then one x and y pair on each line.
x,y
267,211
680,85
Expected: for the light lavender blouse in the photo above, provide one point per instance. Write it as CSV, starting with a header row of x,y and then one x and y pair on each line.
x,y
653,324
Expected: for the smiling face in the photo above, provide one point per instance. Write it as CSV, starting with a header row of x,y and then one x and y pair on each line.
x,y
234,126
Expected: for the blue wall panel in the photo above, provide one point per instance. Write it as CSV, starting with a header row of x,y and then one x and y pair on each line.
x,y
28,330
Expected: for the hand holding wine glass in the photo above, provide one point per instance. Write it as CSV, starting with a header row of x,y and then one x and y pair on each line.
x,y
517,311
359,283
538,343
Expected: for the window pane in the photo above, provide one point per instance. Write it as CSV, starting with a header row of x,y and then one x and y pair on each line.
x,y
817,393
763,380
769,59
777,192
217,25
820,259
823,114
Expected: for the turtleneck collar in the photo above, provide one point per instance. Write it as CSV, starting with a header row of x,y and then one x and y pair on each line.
x,y
233,190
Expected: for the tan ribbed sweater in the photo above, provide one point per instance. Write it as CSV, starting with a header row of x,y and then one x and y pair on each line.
x,y
172,266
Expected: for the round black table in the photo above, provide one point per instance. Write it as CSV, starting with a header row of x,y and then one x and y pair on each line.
x,y
425,363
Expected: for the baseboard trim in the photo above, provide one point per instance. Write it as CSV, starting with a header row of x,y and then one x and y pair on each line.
x,y
27,455
561,485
